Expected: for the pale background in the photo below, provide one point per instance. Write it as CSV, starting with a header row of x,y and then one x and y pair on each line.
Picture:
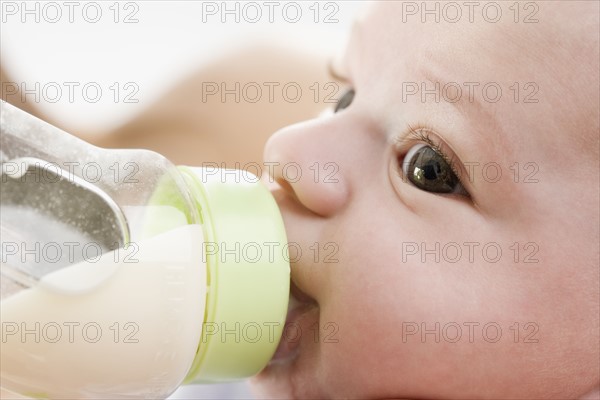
x,y
168,41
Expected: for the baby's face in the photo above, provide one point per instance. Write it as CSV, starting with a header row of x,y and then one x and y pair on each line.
x,y
457,238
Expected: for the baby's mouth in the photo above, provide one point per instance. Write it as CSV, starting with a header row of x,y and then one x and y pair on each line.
x,y
296,325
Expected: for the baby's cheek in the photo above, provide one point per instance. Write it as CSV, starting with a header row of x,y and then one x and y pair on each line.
x,y
360,328
355,341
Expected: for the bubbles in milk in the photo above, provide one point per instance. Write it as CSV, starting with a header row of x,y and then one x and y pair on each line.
x,y
118,327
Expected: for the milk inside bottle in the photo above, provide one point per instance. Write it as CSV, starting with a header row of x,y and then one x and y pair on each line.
x,y
124,276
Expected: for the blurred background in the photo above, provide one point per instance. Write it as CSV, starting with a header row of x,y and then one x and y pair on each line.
x,y
196,81
127,73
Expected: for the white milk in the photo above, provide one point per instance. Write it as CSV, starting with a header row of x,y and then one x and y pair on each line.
x,y
109,329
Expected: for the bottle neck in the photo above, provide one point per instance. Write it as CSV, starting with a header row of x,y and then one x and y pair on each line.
x,y
248,282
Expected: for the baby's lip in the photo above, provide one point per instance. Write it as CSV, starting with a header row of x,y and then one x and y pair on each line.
x,y
296,325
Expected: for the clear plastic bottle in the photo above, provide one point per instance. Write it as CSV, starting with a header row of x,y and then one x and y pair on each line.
x,y
124,276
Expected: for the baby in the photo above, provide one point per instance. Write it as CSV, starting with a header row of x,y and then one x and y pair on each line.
x,y
446,210
451,203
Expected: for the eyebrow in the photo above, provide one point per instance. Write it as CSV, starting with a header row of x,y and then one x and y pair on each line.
x,y
336,64
472,110
482,120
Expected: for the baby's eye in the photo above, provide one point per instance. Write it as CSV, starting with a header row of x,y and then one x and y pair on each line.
x,y
429,171
345,100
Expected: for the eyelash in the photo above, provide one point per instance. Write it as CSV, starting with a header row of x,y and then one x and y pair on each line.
x,y
423,134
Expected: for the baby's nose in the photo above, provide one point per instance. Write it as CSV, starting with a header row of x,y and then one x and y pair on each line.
x,y
306,162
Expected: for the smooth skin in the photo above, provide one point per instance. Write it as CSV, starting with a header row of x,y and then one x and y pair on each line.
x,y
376,293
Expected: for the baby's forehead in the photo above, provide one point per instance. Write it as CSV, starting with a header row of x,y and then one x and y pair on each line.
x,y
547,68
551,32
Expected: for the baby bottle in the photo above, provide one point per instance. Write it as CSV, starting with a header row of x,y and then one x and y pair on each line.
x,y
124,276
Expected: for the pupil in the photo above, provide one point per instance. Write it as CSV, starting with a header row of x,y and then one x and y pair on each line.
x,y
429,171
432,170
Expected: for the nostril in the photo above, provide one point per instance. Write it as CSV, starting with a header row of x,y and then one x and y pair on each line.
x,y
285,185
279,185
303,168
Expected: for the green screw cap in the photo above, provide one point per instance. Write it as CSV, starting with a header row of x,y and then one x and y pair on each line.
x,y
245,249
